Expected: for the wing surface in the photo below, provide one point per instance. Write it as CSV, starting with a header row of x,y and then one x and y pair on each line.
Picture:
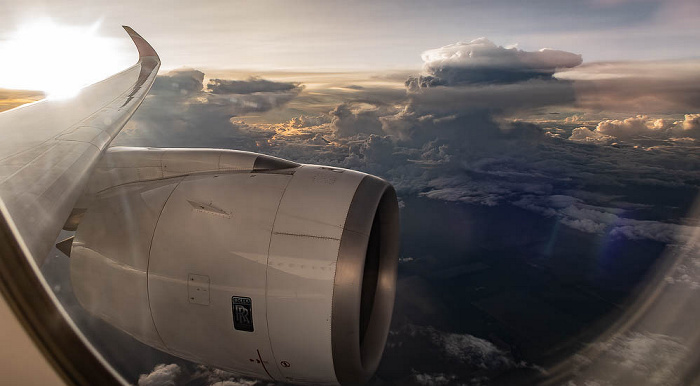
x,y
49,148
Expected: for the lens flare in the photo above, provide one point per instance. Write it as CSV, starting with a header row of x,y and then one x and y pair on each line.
x,y
58,59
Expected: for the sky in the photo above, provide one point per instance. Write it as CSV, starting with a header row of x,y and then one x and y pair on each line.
x,y
546,156
323,35
84,43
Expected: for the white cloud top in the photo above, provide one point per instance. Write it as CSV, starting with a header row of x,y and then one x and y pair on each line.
x,y
482,61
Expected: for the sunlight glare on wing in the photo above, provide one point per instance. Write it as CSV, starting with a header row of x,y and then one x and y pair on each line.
x,y
58,59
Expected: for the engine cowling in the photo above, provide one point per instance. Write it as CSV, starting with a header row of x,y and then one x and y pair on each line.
x,y
248,263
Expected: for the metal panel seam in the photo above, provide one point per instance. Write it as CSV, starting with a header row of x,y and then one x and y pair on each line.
x,y
208,172
306,235
148,265
267,267
28,163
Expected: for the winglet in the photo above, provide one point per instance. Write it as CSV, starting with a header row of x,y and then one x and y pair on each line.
x,y
142,45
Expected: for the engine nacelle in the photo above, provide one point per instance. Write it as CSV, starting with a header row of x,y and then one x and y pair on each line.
x,y
248,263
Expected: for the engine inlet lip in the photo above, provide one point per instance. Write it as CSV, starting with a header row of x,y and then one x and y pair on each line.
x,y
358,336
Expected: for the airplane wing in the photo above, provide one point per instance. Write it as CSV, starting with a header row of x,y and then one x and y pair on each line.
x,y
50,147
244,237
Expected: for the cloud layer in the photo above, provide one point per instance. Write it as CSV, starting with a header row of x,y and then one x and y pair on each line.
x,y
162,375
640,127
669,87
251,86
182,111
12,98
454,142
640,359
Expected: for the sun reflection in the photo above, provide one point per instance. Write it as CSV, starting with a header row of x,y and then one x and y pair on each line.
x,y
58,59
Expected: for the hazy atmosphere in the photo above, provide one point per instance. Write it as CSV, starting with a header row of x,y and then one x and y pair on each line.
x,y
546,155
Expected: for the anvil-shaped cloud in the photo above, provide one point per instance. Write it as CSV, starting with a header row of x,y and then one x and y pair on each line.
x,y
482,61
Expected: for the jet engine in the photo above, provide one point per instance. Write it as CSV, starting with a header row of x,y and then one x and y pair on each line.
x,y
245,262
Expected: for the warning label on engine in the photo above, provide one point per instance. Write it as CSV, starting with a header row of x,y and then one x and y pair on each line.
x,y
242,313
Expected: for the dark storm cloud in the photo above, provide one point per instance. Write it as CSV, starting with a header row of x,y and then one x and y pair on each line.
x,y
498,98
353,119
180,83
250,86
465,128
472,84
482,62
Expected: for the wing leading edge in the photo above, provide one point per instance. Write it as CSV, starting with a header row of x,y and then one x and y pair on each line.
x,y
50,147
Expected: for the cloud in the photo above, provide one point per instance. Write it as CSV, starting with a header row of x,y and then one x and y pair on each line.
x,y
416,125
687,273
162,375
689,127
375,151
498,98
438,379
250,86
574,213
463,349
215,377
632,127
691,122
424,355
584,134
639,127
467,348
477,158
12,98
483,80
471,86
669,87
179,83
181,111
349,120
193,374
644,358
481,61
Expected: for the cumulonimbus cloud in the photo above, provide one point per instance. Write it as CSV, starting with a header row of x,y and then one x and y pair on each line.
x,y
482,61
